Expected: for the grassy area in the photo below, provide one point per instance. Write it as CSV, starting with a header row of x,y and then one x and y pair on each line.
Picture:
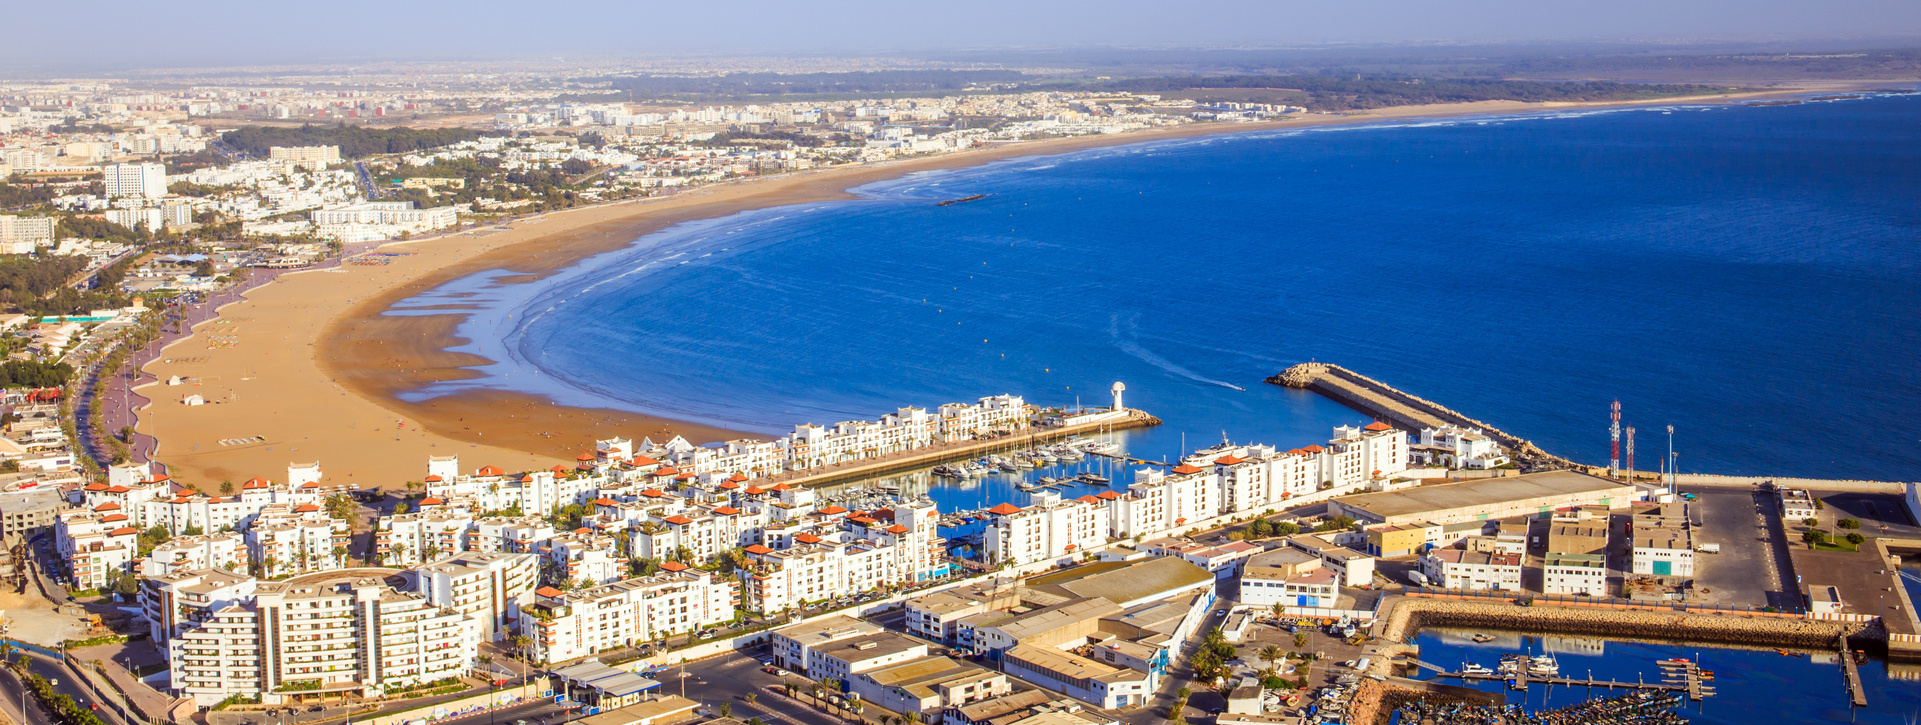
x,y
1836,545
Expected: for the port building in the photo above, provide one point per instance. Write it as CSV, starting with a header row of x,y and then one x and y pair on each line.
x,y
1494,498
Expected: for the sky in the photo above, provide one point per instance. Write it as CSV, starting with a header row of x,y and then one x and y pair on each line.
x,y
192,33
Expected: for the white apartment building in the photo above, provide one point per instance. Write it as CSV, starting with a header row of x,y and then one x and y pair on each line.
x,y
566,626
351,631
405,540
370,220
227,551
588,558
304,539
30,230
487,587
813,570
1463,569
95,544
179,601
149,218
138,181
1049,529
1462,448
310,157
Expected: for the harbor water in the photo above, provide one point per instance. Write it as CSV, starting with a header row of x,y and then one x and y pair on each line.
x,y
1751,685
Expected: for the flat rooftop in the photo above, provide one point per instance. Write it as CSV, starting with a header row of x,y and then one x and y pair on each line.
x,y
871,646
1135,581
827,630
1486,492
920,676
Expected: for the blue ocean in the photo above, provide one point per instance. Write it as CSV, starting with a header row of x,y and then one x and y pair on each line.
x,y
1750,275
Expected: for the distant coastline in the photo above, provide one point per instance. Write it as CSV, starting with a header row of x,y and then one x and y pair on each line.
x,y
360,353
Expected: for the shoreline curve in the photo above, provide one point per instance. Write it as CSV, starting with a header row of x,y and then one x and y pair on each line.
x,y
345,385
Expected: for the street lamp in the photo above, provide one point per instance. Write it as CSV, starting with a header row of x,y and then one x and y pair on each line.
x,y
1672,479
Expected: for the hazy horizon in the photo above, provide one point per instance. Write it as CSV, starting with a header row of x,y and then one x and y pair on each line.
x,y
124,35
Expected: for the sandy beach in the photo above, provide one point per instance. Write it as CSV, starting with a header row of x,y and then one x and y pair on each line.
x,y
307,368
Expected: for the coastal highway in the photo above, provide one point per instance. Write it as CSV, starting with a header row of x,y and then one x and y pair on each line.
x,y
12,690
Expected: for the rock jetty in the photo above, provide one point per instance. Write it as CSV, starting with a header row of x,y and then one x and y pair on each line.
x,y
1406,410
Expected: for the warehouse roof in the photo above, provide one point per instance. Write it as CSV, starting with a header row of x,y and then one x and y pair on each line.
x,y
1487,492
1136,581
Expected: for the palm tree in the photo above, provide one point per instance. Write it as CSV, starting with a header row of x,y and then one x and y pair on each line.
x,y
750,697
910,717
399,552
340,555
1272,654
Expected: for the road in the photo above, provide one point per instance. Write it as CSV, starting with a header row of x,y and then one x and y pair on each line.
x,y
67,683
729,678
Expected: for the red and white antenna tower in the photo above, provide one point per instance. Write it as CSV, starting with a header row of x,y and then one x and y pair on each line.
x,y
1614,437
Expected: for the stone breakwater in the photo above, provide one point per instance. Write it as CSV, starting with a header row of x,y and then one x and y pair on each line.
x,y
1410,615
1405,410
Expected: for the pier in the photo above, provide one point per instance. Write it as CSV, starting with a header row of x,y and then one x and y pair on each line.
x,y
1851,675
1405,410
956,451
1679,677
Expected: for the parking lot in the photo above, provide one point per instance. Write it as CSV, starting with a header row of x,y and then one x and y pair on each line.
x,y
1746,571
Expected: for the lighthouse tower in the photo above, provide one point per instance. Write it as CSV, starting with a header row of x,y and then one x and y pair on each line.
x,y
1118,388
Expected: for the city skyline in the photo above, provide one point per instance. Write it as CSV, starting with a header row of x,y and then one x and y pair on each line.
x,y
224,34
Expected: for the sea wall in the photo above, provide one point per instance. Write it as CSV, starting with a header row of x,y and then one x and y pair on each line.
x,y
1406,616
1405,410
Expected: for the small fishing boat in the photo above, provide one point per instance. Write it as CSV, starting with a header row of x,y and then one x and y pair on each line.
x,y
1483,638
1092,477
1470,668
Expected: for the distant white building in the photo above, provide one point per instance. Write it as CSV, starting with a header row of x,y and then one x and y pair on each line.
x,y
367,221
31,230
312,157
138,181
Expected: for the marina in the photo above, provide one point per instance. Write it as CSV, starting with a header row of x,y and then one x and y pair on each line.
x,y
1739,684
1639,708
1519,671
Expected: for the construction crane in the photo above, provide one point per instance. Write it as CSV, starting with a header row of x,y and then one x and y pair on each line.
x,y
1614,436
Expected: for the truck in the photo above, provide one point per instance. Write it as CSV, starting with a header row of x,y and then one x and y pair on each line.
x,y
1415,575
1708,548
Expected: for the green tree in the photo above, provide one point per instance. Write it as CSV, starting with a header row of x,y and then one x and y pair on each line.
x,y
1855,538
1848,523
